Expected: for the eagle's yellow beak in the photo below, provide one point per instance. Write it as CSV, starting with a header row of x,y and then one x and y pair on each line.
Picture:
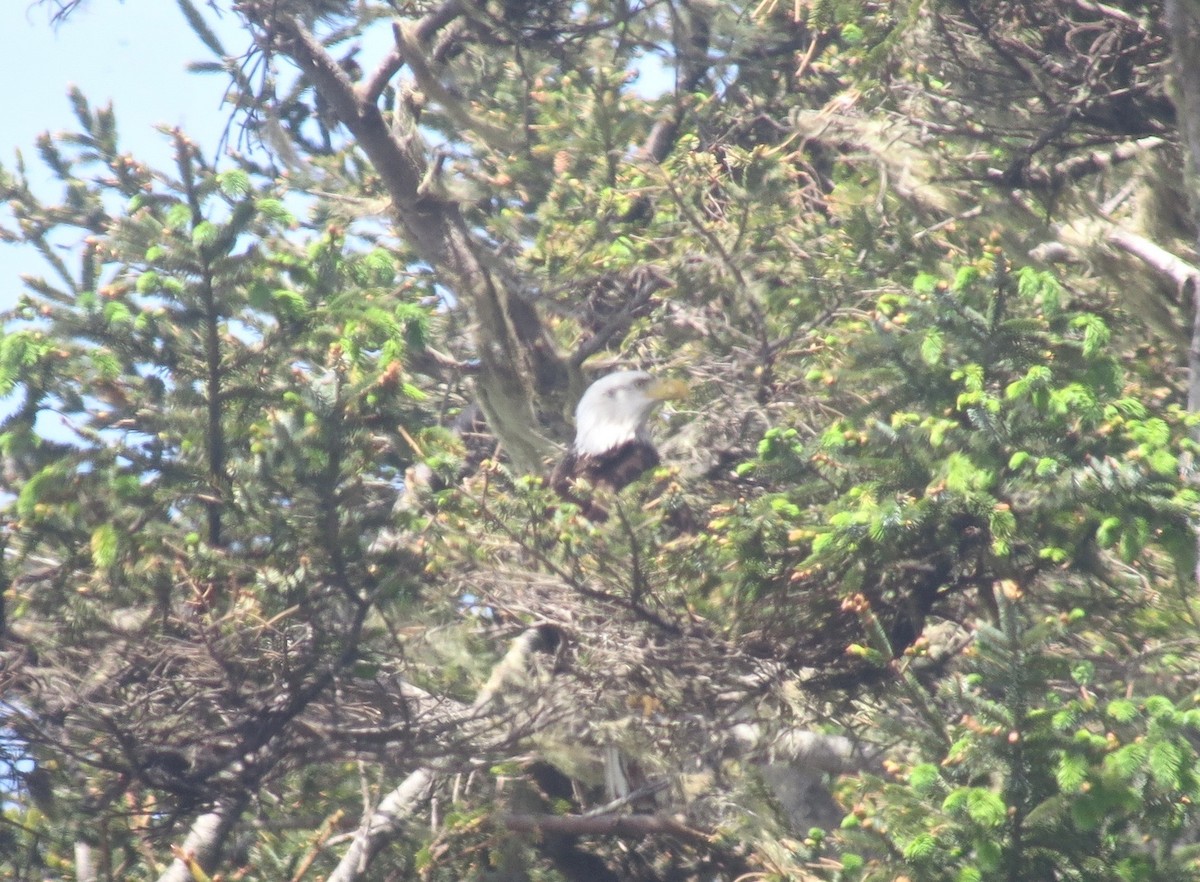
x,y
667,390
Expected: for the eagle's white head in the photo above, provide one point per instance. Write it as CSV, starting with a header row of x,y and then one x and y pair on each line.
x,y
614,410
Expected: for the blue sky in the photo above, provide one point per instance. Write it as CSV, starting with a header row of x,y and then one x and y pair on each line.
x,y
134,54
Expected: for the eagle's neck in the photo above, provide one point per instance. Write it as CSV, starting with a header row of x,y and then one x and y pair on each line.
x,y
596,435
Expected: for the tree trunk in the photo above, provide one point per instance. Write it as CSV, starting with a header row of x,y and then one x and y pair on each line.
x,y
1183,24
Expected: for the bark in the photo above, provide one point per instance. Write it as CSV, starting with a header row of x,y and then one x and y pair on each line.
x,y
1183,24
85,863
691,45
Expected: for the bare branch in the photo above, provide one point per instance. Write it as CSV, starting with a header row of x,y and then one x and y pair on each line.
x,y
383,823
1184,275
694,67
204,841
372,87
85,862
1077,167
380,825
641,287
630,826
1108,12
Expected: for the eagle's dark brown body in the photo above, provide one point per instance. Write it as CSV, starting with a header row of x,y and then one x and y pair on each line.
x,y
612,470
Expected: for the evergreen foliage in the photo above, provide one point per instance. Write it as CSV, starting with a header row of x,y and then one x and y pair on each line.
x,y
285,594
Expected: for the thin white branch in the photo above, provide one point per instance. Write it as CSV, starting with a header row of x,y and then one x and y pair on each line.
x,y
1185,276
380,825
203,844
383,823
85,862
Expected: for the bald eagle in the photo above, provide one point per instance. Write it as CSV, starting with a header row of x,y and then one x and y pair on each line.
x,y
612,441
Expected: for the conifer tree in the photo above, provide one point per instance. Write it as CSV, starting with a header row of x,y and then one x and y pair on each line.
x,y
285,594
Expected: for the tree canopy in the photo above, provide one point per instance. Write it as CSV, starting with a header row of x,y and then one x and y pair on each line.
x,y
285,590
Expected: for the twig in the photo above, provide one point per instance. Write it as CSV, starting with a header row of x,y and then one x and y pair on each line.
x,y
1108,12
574,584
647,281
632,796
628,826
372,87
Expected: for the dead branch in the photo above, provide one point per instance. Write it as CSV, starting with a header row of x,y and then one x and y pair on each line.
x,y
1108,12
632,826
1077,167
1184,275
202,846
380,825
